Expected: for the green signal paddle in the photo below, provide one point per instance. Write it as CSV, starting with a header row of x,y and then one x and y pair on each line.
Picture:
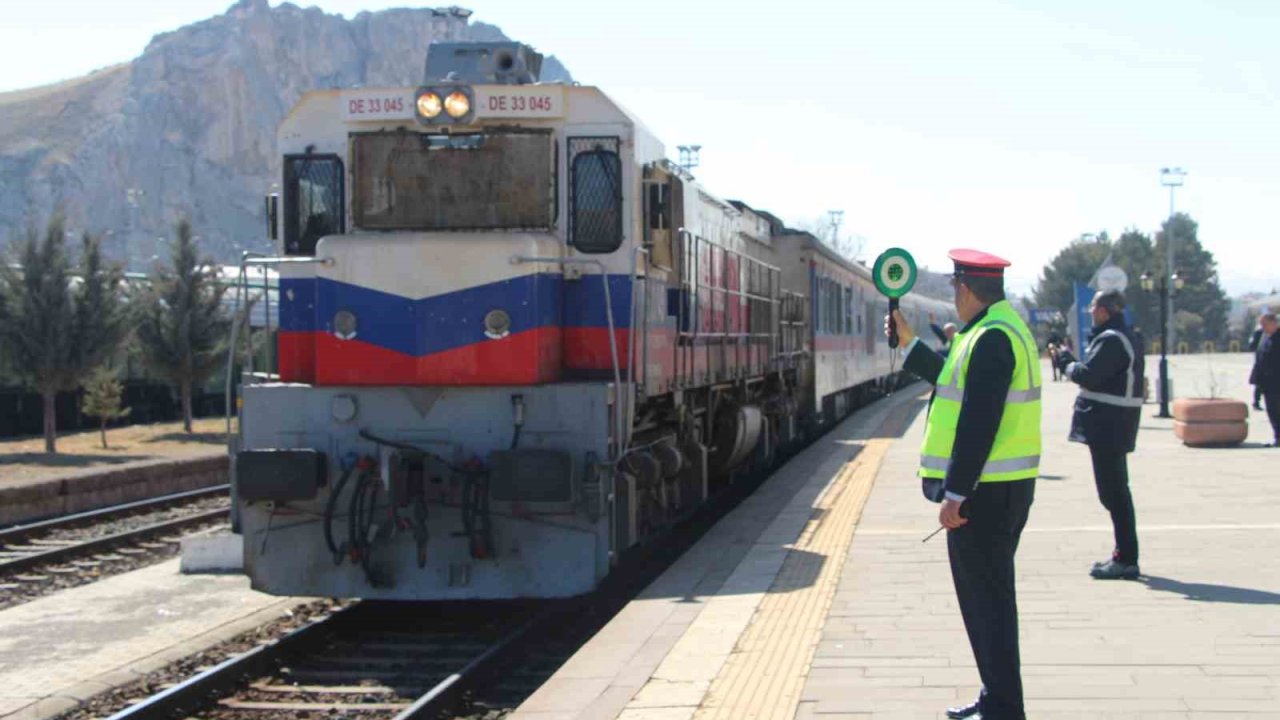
x,y
894,275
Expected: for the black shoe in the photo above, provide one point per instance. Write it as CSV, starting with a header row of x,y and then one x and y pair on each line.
x,y
968,711
1115,570
1257,407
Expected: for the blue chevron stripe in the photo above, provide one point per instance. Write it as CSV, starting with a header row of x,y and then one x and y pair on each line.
x,y
456,319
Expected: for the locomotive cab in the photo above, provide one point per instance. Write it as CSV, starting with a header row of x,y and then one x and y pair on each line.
x,y
446,255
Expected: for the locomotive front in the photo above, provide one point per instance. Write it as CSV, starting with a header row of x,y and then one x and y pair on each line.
x,y
453,338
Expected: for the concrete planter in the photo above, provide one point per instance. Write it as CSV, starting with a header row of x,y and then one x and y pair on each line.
x,y
1203,422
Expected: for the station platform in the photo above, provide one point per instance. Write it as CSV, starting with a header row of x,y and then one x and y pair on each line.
x,y
58,650
816,599
29,497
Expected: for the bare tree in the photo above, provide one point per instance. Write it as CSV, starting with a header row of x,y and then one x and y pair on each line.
x,y
848,245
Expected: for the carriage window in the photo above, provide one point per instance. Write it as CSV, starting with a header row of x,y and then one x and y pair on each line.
x,y
477,181
595,195
313,196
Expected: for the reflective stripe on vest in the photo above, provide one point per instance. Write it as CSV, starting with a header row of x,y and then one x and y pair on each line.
x,y
1131,375
1015,453
992,466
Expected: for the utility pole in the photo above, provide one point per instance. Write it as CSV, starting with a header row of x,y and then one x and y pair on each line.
x,y
1171,178
835,217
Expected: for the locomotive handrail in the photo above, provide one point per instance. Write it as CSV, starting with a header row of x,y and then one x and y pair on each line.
x,y
242,288
619,436
634,336
733,325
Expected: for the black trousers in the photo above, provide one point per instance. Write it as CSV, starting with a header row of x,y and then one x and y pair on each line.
x,y
1111,474
981,554
1273,410
1257,395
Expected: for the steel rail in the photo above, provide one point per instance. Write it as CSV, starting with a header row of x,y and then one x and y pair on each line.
x,y
16,532
59,554
221,680
194,692
447,692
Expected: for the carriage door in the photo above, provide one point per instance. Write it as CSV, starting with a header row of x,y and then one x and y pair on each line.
x,y
656,330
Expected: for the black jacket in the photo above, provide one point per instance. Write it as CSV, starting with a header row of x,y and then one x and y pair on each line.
x,y
1255,346
1267,366
1109,406
986,388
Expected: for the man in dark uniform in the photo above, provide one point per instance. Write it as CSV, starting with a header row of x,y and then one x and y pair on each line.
x,y
1106,419
1255,343
980,460
1269,371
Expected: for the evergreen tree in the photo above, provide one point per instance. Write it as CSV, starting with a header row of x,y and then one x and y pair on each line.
x,y
1136,253
103,398
55,330
1201,294
1077,262
182,326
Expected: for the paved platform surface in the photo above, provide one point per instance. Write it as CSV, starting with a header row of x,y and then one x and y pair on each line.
x,y
66,647
752,623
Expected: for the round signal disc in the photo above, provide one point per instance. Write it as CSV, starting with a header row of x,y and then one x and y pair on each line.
x,y
894,272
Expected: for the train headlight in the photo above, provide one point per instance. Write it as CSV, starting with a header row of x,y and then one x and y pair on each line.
x,y
429,105
457,104
344,325
497,324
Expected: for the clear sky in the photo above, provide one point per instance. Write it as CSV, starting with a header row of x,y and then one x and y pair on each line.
x,y
1008,126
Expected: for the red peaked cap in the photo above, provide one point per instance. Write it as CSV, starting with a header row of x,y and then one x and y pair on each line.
x,y
976,263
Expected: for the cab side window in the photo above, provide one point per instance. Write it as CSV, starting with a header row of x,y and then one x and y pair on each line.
x,y
595,195
313,201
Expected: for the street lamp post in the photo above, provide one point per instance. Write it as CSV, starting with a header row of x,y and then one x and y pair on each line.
x,y
1171,178
1167,290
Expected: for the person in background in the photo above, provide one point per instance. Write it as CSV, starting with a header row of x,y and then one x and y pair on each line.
x,y
1106,417
1055,342
1268,371
945,333
1255,341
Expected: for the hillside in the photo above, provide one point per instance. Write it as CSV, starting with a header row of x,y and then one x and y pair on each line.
x,y
189,126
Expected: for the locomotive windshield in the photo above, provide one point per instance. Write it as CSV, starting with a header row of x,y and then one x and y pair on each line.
x,y
415,181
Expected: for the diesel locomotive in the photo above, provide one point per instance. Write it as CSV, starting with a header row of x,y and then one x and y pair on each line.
x,y
516,340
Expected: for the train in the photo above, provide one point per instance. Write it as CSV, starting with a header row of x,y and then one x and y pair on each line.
x,y
516,342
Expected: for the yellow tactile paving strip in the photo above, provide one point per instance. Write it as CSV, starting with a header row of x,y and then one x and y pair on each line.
x,y
763,677
766,672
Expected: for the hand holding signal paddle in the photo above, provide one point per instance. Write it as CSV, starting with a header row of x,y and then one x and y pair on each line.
x,y
894,274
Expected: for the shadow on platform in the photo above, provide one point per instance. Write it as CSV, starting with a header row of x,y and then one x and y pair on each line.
x,y
1204,592
68,460
1237,446
193,437
898,421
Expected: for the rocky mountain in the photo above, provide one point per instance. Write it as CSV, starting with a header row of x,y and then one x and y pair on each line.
x,y
189,127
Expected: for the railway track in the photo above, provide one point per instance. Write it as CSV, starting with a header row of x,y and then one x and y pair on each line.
x,y
385,661
370,660
39,558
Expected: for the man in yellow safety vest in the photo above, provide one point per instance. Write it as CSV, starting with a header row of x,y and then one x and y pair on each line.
x,y
980,459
